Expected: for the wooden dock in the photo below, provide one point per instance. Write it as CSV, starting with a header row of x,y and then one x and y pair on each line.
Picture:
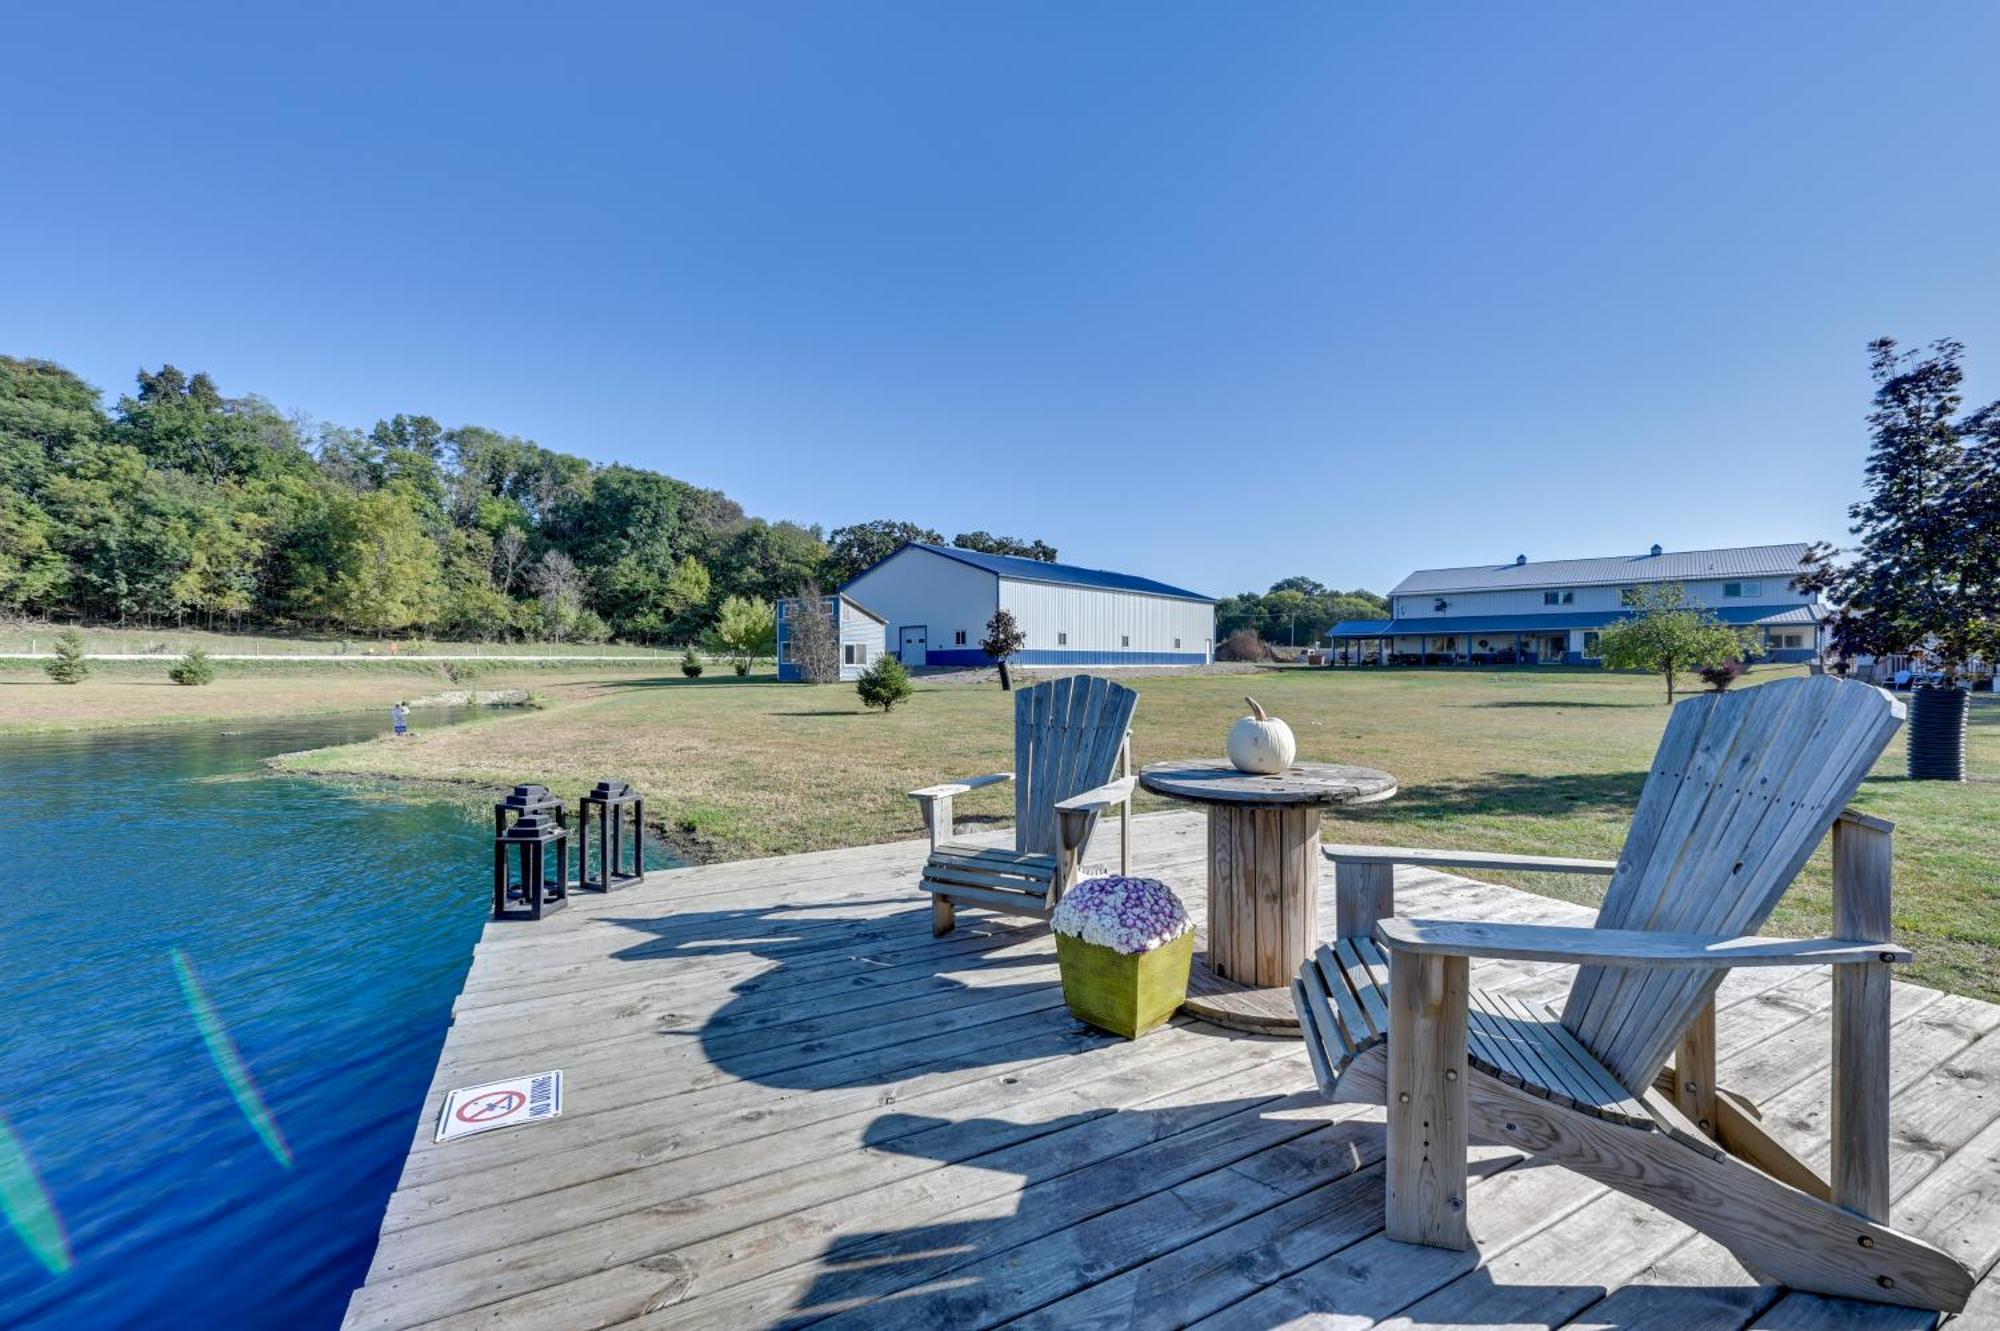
x,y
787,1103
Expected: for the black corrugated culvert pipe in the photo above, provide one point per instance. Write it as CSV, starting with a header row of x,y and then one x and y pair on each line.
x,y
1937,732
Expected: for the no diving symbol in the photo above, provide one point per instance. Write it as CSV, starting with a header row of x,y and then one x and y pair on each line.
x,y
489,1107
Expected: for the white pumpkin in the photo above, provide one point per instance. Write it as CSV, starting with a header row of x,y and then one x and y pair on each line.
x,y
1260,743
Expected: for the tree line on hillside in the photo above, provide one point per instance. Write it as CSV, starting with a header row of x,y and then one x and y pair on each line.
x,y
1295,612
180,505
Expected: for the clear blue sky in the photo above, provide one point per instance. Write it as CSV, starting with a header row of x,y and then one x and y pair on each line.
x,y
1215,294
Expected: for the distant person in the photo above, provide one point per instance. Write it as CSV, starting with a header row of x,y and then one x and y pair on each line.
x,y
400,714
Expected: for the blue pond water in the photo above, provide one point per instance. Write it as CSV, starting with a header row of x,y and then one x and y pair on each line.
x,y
225,993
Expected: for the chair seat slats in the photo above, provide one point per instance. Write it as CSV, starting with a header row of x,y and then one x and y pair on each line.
x,y
1342,996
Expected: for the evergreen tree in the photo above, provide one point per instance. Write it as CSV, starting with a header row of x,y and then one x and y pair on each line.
x,y
193,669
691,664
69,665
884,684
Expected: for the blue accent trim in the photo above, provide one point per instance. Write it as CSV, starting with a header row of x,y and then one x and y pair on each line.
x,y
1034,570
968,656
1446,625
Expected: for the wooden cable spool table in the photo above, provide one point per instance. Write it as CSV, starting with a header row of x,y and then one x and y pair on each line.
x,y
1263,879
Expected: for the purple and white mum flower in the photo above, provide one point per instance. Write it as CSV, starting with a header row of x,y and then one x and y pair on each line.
x,y
1124,914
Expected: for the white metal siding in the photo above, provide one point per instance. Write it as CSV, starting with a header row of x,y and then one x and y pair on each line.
x,y
918,587
1529,601
857,629
1102,619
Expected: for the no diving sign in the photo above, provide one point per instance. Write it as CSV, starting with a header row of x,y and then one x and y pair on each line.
x,y
500,1104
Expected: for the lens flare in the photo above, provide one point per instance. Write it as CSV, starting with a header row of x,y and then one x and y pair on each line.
x,y
229,1062
30,1209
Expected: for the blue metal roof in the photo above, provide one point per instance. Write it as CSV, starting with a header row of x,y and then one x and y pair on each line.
x,y
1034,570
1562,619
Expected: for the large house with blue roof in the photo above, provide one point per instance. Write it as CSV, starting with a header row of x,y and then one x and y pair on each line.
x,y
1552,611
934,602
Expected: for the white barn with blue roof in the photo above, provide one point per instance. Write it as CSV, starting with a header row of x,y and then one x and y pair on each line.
x,y
1529,613
935,601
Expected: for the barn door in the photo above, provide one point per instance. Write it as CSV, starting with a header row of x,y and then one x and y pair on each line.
x,y
912,649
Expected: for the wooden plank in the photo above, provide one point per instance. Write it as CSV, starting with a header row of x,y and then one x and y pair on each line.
x,y
1333,982
1062,1236
1363,893
606,1272
1861,894
1426,1169
1390,856
1626,948
1694,1072
1267,967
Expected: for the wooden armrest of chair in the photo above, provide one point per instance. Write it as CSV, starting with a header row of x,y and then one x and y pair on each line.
x,y
1100,799
947,789
1465,859
1623,947
936,801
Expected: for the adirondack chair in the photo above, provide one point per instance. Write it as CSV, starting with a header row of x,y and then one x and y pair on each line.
x,y
1745,785
1070,735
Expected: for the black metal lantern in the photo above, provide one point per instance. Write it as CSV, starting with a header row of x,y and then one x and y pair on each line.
x,y
523,800
610,803
532,836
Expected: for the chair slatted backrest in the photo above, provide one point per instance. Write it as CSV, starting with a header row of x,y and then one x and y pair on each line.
x,y
1067,735
1744,787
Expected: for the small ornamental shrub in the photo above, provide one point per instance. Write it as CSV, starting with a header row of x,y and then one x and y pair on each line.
x,y
69,667
1124,914
741,665
884,684
1721,675
691,664
193,669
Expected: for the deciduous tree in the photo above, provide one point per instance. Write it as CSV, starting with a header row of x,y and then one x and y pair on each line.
x,y
1668,634
1003,640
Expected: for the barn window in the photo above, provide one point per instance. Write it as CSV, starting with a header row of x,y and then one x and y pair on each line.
x,y
958,638
1177,644
1559,598
1125,640
1062,639
1742,589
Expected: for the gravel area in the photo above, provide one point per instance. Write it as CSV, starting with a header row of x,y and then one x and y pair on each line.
x,y
990,677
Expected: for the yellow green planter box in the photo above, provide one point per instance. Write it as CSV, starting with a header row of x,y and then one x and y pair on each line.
x,y
1126,993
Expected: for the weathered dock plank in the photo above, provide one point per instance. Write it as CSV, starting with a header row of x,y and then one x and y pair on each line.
x,y
787,1103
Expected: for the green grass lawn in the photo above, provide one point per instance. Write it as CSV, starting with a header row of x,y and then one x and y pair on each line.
x,y
1537,761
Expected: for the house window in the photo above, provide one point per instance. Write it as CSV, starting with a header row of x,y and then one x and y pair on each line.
x,y
1062,639
1590,644
854,653
1742,588
1559,598
1124,640
784,650
1792,640
958,638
